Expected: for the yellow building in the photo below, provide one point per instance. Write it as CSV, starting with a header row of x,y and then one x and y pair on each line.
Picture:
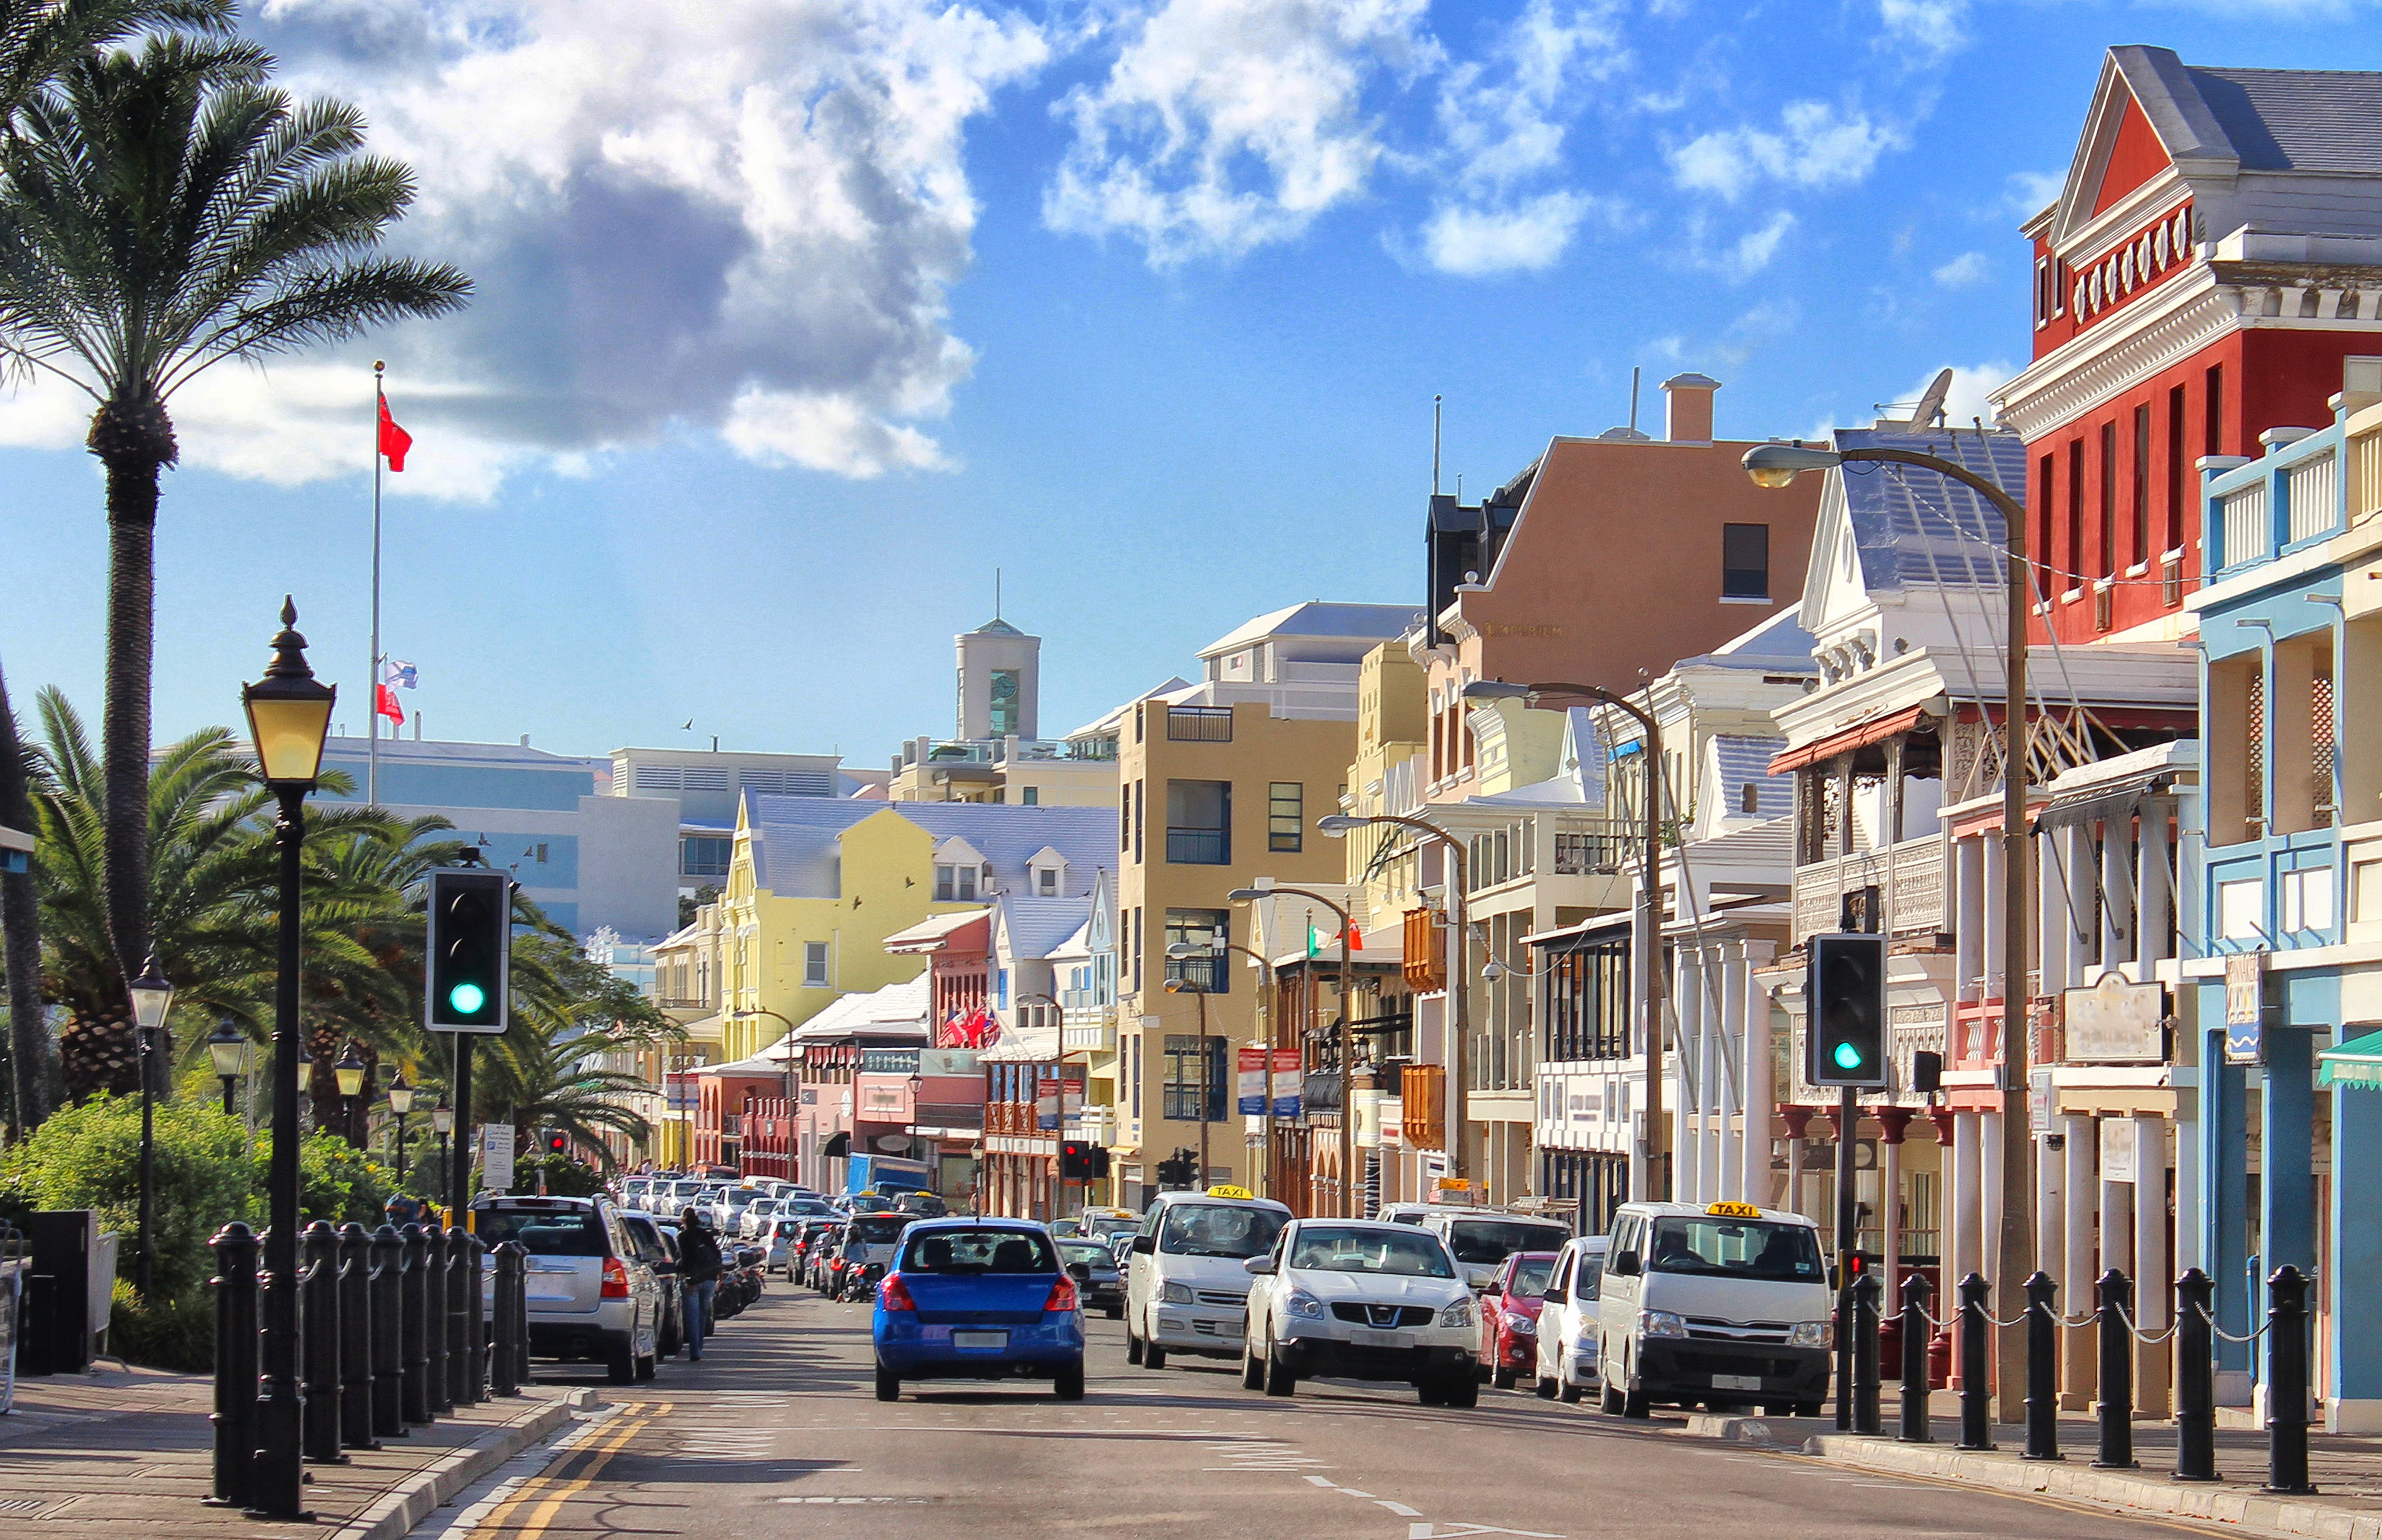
x,y
815,885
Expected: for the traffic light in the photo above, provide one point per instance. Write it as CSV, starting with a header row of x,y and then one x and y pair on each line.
x,y
557,1141
468,943
1846,990
1074,1160
1180,1170
1099,1162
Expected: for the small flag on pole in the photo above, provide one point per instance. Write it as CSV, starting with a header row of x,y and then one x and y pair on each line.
x,y
399,675
393,441
385,704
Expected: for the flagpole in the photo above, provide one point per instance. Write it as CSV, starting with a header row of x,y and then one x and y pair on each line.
x,y
372,675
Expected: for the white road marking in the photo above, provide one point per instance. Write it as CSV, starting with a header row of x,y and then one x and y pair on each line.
x,y
1319,1481
1401,1509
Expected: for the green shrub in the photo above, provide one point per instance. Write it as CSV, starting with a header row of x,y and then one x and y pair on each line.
x,y
565,1178
89,1156
336,1181
174,1332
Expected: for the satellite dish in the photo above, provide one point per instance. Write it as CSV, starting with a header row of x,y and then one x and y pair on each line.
x,y
1930,411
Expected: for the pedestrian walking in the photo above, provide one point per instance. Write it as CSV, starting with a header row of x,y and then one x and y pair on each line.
x,y
699,1265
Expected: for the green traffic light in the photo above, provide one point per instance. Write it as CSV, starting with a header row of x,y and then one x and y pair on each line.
x,y
1847,1056
467,999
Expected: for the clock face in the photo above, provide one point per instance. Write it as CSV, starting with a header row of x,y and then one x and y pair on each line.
x,y
1005,686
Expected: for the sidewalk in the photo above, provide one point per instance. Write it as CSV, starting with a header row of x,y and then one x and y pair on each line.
x,y
85,1454
2345,1469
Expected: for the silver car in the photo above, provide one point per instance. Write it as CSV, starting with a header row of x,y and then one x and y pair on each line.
x,y
591,1293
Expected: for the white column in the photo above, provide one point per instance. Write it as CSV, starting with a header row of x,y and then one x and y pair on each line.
x,y
1963,1235
2052,949
2117,1237
1687,1112
1732,1099
1795,1176
1991,963
1968,915
2079,1372
1760,1096
2151,1263
2153,906
2050,1208
1890,1220
1989,1182
1712,1100
2117,875
2076,865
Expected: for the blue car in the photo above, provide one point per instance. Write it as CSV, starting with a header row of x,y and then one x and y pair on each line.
x,y
978,1298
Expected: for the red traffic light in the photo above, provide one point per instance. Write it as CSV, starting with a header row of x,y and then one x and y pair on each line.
x,y
557,1141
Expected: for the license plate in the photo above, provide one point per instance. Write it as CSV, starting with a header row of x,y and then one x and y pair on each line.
x,y
979,1340
1737,1382
1377,1340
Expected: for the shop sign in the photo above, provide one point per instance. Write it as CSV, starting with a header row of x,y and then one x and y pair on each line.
x,y
2245,1002
2118,1149
2115,1021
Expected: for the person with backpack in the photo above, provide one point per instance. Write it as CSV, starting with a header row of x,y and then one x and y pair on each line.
x,y
699,1265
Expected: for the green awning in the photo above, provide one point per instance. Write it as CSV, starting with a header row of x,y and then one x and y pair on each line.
x,y
2356,1064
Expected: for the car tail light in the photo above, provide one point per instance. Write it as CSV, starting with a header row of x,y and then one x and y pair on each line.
x,y
616,1278
895,1294
1062,1295
835,1264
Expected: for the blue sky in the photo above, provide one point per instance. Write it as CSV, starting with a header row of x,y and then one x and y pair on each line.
x,y
798,318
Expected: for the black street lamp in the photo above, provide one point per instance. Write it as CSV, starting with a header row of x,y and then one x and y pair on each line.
x,y
228,1048
152,998
350,1075
400,1102
288,717
442,1123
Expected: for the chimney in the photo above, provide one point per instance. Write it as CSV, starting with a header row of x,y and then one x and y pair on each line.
x,y
1690,417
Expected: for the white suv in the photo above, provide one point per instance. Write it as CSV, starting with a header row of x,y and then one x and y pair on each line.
x,y
1358,1299
1185,1291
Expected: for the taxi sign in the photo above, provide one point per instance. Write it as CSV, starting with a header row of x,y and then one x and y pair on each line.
x,y
1222,1190
1735,1211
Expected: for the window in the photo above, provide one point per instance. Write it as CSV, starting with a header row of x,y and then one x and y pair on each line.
x,y
2046,480
2042,282
1124,816
1199,724
1003,716
1199,822
1132,944
1136,1077
1031,796
1745,561
1202,928
815,964
2071,560
2109,510
955,884
703,855
2212,427
1285,817
2058,289
2172,537
2305,898
1046,882
2141,485
1193,1076
1140,816
2237,910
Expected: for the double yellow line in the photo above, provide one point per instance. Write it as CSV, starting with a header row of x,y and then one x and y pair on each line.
x,y
543,1496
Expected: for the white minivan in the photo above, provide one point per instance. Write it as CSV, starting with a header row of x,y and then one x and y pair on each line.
x,y
1186,1292
1568,1320
1724,1304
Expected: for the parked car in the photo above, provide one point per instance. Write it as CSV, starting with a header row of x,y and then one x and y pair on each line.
x,y
1509,1317
592,1295
1727,1304
1566,1363
1358,1299
659,1248
978,1298
1101,1283
754,1221
926,1205
779,1247
820,1253
1185,1291
727,1210
1483,1238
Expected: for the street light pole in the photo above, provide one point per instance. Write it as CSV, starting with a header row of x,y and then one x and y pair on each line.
x,y
1207,1091
1265,1041
1349,1207
152,998
289,714
1775,465
1648,941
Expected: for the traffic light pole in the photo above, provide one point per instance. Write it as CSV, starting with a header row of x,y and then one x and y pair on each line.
x,y
460,1171
1847,1244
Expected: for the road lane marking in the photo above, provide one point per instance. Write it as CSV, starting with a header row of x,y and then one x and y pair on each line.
x,y
550,1503
1322,1481
1401,1509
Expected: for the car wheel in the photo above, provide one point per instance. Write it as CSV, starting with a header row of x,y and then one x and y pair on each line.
x,y
889,1385
1115,1313
648,1365
621,1363
1152,1356
1608,1400
1546,1388
1808,1409
1252,1370
1462,1392
1132,1346
1503,1377
1279,1380
1069,1385
1428,1392
1635,1406
1567,1392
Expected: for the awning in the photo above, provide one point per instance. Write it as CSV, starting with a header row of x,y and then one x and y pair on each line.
x,y
936,931
1845,743
2356,1064
2092,804
837,1147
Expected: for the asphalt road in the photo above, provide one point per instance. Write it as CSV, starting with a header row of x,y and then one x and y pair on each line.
x,y
777,1433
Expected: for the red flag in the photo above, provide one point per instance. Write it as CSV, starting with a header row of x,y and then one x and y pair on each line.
x,y
393,441
385,699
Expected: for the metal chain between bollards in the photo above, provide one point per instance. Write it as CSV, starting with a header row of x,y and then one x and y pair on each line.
x,y
2228,1336
2147,1338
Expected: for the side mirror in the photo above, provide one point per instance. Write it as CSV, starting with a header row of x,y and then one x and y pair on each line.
x,y
1261,1267
1555,1296
1144,1244
1080,1271
1624,1264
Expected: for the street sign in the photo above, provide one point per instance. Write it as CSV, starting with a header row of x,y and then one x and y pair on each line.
x,y
2038,1101
2245,1003
497,1157
1250,1072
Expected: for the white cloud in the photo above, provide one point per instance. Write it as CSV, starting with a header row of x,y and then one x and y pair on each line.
x,y
740,217
1531,236
1969,267
1750,252
1933,26
1223,124
1816,146
2032,192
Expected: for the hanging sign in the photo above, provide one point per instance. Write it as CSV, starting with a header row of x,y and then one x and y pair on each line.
x,y
2246,1000
497,1158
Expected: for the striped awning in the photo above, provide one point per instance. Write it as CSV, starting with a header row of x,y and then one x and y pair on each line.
x,y
1875,731
2356,1064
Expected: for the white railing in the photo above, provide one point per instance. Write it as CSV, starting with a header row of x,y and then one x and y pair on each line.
x,y
2312,491
1910,879
2247,533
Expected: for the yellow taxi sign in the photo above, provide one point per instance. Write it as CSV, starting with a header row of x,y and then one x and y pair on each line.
x,y
1735,1211
1225,1191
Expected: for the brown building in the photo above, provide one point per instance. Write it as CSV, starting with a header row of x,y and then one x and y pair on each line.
x,y
1603,557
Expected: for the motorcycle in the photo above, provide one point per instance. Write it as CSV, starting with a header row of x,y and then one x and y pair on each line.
x,y
860,1280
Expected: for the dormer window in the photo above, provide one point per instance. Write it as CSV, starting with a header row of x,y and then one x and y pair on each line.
x,y
1046,874
954,884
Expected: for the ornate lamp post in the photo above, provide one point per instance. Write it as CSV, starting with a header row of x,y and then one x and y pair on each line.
x,y
350,1074
288,717
400,1102
152,998
442,1123
227,1051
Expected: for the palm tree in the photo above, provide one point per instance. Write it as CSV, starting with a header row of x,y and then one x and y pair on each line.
x,y
21,933
166,210
546,1075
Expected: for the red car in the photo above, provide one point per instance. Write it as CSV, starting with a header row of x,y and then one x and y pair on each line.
x,y
1509,1317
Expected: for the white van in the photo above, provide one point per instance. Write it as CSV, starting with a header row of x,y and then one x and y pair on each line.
x,y
1483,1238
1186,1292
1724,1304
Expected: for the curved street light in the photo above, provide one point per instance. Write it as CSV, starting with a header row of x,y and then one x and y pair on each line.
x,y
1777,465
1184,949
789,1040
1346,1040
400,1102
228,1053
152,996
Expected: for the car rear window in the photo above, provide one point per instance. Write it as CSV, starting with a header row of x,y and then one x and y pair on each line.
x,y
877,1230
1482,1241
979,1251
568,1232
1085,1250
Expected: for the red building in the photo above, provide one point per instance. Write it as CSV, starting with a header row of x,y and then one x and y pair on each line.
x,y
725,1098
2214,257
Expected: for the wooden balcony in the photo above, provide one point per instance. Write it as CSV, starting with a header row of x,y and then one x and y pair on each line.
x,y
1910,879
1422,1106
1426,951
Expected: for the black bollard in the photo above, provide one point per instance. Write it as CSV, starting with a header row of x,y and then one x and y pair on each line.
x,y
318,1333
234,1413
2042,1368
460,1389
1917,1336
1866,1289
434,1320
355,1338
2195,1379
2287,1381
2116,1374
475,1293
505,1376
387,1334
1976,1367
414,1351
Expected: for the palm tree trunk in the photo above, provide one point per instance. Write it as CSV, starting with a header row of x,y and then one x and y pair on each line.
x,y
29,1037
125,731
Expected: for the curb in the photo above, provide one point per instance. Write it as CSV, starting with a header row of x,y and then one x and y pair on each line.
x,y
1778,1432
393,1515
2233,1503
